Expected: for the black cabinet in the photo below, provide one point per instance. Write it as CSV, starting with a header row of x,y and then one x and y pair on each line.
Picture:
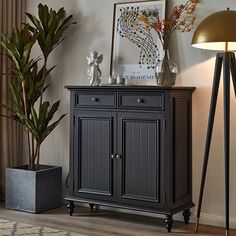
x,y
130,147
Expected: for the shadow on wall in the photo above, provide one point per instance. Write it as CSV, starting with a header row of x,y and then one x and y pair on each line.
x,y
72,69
88,32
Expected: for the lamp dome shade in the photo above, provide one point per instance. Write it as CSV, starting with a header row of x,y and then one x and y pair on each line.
x,y
215,31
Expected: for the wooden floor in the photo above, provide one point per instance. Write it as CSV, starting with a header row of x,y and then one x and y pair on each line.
x,y
106,223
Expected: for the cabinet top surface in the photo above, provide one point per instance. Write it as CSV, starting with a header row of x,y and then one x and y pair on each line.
x,y
130,88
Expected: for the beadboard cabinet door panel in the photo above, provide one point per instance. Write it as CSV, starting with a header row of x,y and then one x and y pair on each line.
x,y
141,138
93,148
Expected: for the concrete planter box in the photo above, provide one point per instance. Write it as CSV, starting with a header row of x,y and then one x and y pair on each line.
x,y
33,191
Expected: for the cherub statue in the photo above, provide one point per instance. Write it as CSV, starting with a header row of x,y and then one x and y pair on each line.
x,y
94,72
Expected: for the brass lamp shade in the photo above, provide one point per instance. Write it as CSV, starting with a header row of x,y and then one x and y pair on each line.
x,y
216,32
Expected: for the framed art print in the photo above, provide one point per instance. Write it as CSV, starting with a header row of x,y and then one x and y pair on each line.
x,y
135,48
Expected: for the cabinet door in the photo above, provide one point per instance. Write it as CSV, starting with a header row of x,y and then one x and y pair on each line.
x,y
93,146
140,168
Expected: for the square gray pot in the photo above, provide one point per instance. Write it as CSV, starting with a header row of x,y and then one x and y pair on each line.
x,y
33,191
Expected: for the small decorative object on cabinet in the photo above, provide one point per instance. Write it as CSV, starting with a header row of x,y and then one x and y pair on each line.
x,y
166,70
126,150
94,72
111,80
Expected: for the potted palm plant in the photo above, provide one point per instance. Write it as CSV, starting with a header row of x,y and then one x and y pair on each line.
x,y
34,187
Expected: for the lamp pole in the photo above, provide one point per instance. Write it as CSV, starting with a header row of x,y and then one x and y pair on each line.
x,y
228,62
214,95
226,77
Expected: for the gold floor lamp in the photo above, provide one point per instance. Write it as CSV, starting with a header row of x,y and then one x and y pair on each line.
x,y
216,32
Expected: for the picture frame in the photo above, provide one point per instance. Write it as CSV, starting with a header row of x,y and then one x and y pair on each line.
x,y
135,49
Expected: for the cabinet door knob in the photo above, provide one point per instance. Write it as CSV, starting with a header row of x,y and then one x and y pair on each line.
x,y
113,156
95,99
140,100
118,156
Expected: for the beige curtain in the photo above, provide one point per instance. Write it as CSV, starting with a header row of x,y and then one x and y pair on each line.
x,y
11,133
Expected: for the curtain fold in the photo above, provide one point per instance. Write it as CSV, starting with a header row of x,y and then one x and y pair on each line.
x,y
11,133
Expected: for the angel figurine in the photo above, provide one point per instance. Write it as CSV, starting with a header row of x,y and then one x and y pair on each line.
x,y
94,72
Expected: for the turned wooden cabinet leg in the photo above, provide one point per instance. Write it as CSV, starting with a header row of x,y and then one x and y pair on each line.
x,y
169,222
186,215
91,206
70,207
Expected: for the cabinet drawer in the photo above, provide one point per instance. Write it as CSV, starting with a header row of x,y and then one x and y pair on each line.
x,y
95,99
142,100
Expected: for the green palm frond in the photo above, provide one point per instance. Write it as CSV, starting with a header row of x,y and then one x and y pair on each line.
x,y
28,107
50,26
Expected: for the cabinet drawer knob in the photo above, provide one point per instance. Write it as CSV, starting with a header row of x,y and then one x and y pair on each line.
x,y
118,156
140,100
95,99
113,156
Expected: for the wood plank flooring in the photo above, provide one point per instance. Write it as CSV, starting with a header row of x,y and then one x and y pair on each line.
x,y
106,223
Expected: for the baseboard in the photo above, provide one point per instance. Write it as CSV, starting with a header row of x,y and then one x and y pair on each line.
x,y
208,219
